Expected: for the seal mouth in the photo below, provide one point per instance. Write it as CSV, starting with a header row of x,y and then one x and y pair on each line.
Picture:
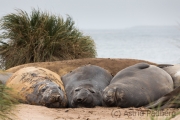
x,y
86,102
53,105
110,97
81,100
55,101
85,106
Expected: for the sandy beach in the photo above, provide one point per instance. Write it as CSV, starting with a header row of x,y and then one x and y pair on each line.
x,y
32,112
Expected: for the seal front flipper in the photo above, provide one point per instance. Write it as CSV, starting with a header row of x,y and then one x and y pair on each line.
x,y
170,100
142,65
156,104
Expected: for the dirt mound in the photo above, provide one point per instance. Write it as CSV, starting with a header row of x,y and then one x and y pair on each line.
x,y
63,67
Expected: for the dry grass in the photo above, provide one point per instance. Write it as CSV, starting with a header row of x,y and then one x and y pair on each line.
x,y
7,101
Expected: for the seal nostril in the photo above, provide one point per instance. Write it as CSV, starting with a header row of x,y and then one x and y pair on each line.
x,y
58,97
109,95
55,98
79,100
110,101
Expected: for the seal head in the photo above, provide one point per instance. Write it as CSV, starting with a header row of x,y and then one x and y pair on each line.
x,y
47,94
38,86
85,96
85,84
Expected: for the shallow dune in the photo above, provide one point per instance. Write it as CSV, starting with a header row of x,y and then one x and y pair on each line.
x,y
63,67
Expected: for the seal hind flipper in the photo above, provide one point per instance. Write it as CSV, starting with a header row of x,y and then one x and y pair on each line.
x,y
164,65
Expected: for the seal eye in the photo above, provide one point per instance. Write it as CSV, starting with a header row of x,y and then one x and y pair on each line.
x,y
43,89
59,88
77,89
91,90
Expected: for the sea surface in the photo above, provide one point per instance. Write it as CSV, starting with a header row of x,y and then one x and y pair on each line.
x,y
159,44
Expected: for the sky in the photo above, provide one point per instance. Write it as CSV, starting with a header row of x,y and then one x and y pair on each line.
x,y
104,14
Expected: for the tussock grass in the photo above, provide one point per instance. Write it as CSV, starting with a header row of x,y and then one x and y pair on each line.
x,y
41,37
7,101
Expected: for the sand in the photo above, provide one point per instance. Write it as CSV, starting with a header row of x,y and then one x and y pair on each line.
x,y
32,112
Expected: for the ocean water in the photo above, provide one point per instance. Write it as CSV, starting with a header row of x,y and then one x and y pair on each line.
x,y
153,43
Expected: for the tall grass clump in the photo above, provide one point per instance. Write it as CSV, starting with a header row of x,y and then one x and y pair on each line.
x,y
41,37
7,101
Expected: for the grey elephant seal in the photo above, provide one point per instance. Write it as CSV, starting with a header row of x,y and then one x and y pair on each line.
x,y
38,86
174,71
137,86
85,84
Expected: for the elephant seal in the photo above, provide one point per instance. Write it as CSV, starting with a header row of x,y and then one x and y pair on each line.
x,y
137,86
174,71
4,76
38,86
170,100
85,84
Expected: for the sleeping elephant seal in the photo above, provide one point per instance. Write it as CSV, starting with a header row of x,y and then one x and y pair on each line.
x,y
38,86
85,84
137,86
174,71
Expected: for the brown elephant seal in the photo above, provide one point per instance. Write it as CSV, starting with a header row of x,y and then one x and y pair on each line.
x,y
170,100
38,86
85,84
4,76
137,86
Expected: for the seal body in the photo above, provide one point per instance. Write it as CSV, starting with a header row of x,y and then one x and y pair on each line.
x,y
85,84
38,86
137,86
